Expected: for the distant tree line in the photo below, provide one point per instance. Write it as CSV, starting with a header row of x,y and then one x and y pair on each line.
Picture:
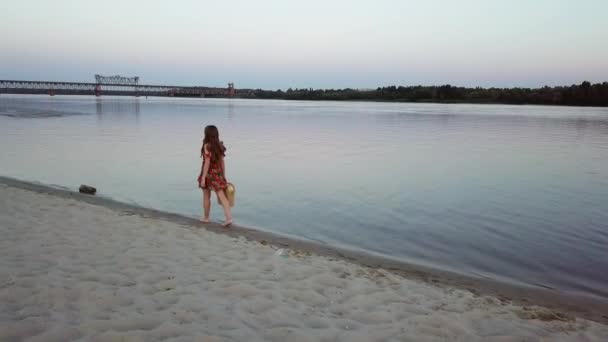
x,y
585,94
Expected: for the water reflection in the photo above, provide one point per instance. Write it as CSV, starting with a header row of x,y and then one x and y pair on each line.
x,y
117,107
230,108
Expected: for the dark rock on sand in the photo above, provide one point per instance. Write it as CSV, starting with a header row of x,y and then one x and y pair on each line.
x,y
86,189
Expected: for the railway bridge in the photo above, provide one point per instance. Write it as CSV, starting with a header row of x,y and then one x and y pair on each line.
x,y
112,85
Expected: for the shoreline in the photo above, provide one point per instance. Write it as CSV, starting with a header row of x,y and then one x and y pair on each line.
x,y
415,102
586,307
482,103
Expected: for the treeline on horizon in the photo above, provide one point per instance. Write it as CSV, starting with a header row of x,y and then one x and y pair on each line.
x,y
585,94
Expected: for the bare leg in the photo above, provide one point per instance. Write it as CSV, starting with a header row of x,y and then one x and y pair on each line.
x,y
206,205
226,204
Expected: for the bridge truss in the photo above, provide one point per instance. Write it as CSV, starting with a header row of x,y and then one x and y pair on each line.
x,y
110,85
117,80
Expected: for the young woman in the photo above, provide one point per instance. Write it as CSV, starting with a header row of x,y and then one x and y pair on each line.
x,y
213,173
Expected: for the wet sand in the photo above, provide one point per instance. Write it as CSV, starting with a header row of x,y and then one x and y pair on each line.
x,y
78,267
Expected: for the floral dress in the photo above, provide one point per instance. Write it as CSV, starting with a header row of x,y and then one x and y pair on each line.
x,y
215,180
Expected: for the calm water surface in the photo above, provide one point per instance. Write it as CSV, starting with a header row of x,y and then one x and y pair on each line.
x,y
517,193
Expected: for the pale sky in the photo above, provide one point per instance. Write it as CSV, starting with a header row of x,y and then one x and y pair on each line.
x,y
308,43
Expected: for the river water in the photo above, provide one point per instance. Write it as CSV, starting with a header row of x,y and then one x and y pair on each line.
x,y
514,193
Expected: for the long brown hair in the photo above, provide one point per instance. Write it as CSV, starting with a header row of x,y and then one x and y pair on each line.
x,y
214,145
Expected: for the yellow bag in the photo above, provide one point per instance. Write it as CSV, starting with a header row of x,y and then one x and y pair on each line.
x,y
230,193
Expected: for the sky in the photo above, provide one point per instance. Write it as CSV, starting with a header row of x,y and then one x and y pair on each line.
x,y
277,44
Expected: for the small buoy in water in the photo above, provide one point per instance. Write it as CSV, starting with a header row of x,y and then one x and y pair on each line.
x,y
86,189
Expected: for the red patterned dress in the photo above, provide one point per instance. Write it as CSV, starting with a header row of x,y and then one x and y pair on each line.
x,y
216,179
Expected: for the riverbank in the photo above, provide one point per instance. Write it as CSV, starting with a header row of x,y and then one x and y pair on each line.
x,y
83,267
585,94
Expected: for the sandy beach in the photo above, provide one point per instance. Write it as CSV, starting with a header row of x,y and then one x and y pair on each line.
x,y
72,270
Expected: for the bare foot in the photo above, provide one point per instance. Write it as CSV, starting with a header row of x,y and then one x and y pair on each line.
x,y
204,220
227,224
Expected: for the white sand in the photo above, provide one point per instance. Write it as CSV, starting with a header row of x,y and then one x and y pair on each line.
x,y
76,271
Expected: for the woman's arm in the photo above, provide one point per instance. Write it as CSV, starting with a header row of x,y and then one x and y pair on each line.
x,y
206,163
204,166
224,169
